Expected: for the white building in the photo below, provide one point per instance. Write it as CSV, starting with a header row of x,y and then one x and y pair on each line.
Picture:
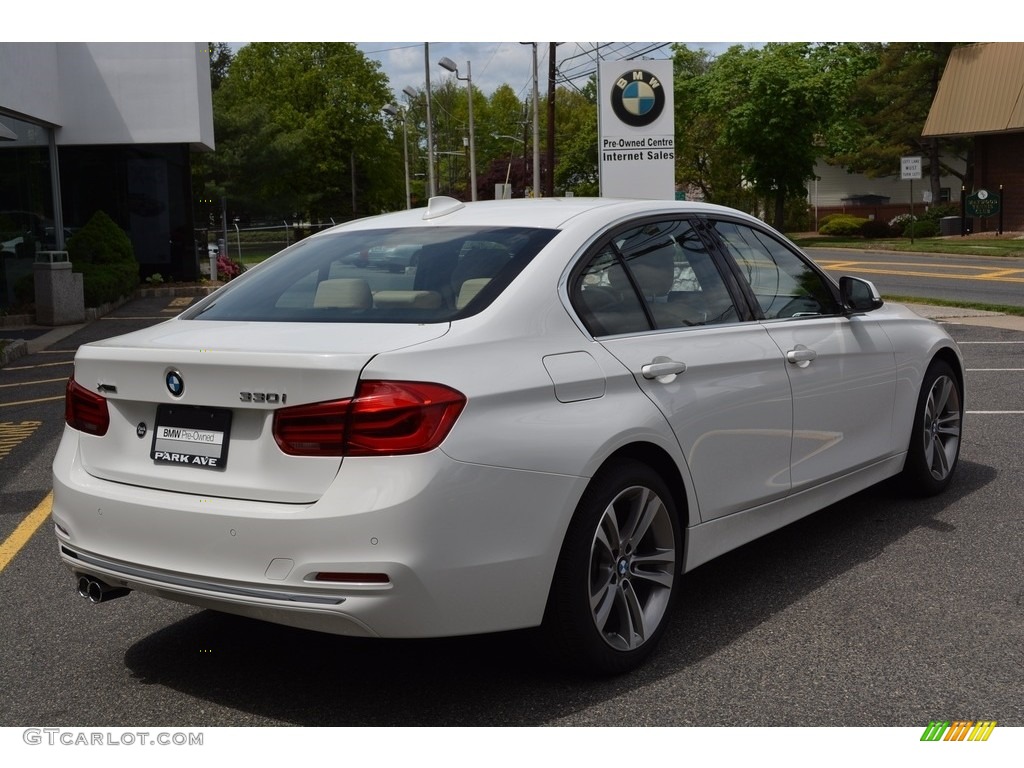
x,y
836,189
101,126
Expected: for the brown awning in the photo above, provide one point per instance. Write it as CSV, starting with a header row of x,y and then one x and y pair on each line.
x,y
981,91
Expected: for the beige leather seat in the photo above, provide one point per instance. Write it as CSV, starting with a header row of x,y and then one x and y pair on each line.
x,y
407,300
343,293
469,289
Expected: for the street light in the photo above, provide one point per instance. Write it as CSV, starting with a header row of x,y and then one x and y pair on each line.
x,y
451,66
396,111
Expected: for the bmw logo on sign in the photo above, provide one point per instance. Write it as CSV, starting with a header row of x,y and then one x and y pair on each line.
x,y
175,383
638,98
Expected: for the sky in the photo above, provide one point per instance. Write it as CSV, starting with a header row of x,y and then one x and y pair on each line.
x,y
493,64
477,21
473,23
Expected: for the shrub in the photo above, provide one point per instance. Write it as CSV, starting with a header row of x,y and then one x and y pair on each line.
x,y
833,217
922,229
102,252
228,268
936,212
875,229
842,225
900,221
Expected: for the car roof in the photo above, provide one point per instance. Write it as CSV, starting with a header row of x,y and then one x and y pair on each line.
x,y
543,213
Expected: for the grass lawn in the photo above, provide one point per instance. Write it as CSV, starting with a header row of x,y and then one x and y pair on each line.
x,y
984,244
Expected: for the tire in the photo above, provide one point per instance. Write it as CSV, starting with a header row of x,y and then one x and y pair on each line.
x,y
617,573
935,436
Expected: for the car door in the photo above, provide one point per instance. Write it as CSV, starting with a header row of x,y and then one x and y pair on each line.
x,y
654,297
842,368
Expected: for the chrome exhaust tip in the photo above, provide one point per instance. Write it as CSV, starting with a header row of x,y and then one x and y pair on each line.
x,y
97,591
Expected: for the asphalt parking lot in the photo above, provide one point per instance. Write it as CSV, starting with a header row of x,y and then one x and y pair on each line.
x,y
878,611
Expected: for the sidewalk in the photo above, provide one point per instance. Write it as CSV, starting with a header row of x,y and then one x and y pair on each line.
x,y
43,336
961,316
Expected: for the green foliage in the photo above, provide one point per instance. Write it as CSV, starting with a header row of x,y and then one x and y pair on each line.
x,y
102,252
881,116
842,225
749,122
876,228
936,212
830,217
922,228
798,216
576,139
300,130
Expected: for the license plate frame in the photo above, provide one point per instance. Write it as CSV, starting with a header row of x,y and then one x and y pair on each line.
x,y
191,435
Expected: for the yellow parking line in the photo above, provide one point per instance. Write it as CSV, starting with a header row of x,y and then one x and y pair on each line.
x,y
41,365
12,435
913,269
30,402
30,383
24,531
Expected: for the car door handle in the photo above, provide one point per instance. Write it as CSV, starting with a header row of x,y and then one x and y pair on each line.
x,y
801,356
662,366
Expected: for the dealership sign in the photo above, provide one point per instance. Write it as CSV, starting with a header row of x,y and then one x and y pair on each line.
x,y
636,126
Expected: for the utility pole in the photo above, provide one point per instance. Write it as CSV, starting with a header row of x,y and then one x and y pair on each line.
x,y
536,128
431,183
549,182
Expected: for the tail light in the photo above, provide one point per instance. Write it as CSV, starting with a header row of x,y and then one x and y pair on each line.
x,y
384,418
84,410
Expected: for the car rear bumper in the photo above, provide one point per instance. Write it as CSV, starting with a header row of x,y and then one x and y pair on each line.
x,y
465,548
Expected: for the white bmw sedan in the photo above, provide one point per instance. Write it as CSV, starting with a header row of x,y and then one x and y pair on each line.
x,y
557,409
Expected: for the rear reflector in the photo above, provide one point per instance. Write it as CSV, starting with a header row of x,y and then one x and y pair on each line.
x,y
84,410
384,418
352,578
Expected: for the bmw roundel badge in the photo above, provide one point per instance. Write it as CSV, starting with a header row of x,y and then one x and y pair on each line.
x,y
175,383
638,98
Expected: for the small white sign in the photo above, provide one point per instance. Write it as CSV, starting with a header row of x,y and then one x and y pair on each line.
x,y
911,168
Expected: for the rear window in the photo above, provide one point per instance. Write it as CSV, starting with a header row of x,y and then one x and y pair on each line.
x,y
407,275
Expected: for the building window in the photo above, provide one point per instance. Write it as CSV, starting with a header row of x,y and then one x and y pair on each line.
x,y
26,206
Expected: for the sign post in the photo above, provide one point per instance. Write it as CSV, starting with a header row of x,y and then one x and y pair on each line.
x,y
910,169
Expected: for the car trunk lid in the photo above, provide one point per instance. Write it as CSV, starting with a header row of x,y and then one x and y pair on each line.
x,y
191,402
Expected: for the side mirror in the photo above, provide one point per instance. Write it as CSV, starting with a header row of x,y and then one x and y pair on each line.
x,y
858,295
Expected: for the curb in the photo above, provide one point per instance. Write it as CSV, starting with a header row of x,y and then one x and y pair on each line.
x,y
14,349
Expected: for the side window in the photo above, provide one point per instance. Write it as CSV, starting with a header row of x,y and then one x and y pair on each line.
x,y
605,299
678,283
783,283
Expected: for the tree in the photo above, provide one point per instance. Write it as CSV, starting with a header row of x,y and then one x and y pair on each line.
x,y
220,62
707,166
300,131
502,143
774,103
576,157
886,110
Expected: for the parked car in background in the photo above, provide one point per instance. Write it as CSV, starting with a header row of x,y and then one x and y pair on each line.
x,y
563,408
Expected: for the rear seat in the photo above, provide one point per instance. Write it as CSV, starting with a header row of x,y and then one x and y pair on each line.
x,y
407,300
